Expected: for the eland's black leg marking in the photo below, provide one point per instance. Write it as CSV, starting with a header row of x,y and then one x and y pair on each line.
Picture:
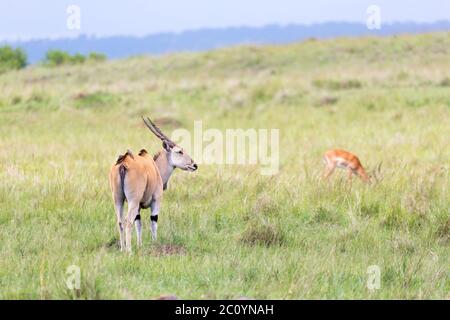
x,y
138,225
154,218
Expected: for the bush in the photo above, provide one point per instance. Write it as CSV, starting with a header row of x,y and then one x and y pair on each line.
x,y
94,56
57,57
78,59
12,59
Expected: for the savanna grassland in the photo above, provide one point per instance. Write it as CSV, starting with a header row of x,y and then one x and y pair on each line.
x,y
226,231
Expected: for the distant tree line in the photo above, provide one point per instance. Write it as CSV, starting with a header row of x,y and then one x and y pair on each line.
x,y
15,59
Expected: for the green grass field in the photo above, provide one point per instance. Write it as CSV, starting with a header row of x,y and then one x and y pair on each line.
x,y
227,231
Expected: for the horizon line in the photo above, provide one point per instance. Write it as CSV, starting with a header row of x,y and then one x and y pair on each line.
x,y
18,40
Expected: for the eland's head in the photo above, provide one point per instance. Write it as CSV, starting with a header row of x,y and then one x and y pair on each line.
x,y
176,156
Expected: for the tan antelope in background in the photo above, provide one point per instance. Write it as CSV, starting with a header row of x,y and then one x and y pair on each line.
x,y
344,160
140,180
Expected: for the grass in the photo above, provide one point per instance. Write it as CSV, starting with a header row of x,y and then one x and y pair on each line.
x,y
227,231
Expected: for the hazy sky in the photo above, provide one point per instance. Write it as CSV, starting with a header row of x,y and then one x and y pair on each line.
x,y
23,19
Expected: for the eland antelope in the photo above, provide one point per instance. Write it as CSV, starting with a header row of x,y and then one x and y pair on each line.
x,y
140,180
344,160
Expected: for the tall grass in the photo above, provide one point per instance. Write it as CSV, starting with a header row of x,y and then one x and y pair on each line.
x,y
227,231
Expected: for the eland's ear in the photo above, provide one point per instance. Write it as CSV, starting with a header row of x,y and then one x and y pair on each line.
x,y
166,146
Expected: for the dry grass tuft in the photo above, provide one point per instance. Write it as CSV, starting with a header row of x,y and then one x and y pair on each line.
x,y
264,234
160,250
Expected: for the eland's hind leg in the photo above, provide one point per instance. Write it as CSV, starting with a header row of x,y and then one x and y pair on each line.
x,y
133,211
118,206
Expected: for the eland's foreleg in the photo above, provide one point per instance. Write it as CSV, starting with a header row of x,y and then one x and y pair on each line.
x,y
155,207
138,225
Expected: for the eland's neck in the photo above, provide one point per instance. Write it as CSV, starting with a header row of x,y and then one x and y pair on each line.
x,y
165,169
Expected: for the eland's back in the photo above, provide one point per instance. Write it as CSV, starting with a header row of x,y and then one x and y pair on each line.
x,y
135,179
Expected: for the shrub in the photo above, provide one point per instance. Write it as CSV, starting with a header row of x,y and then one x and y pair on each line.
x,y
95,56
58,57
12,59
78,59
